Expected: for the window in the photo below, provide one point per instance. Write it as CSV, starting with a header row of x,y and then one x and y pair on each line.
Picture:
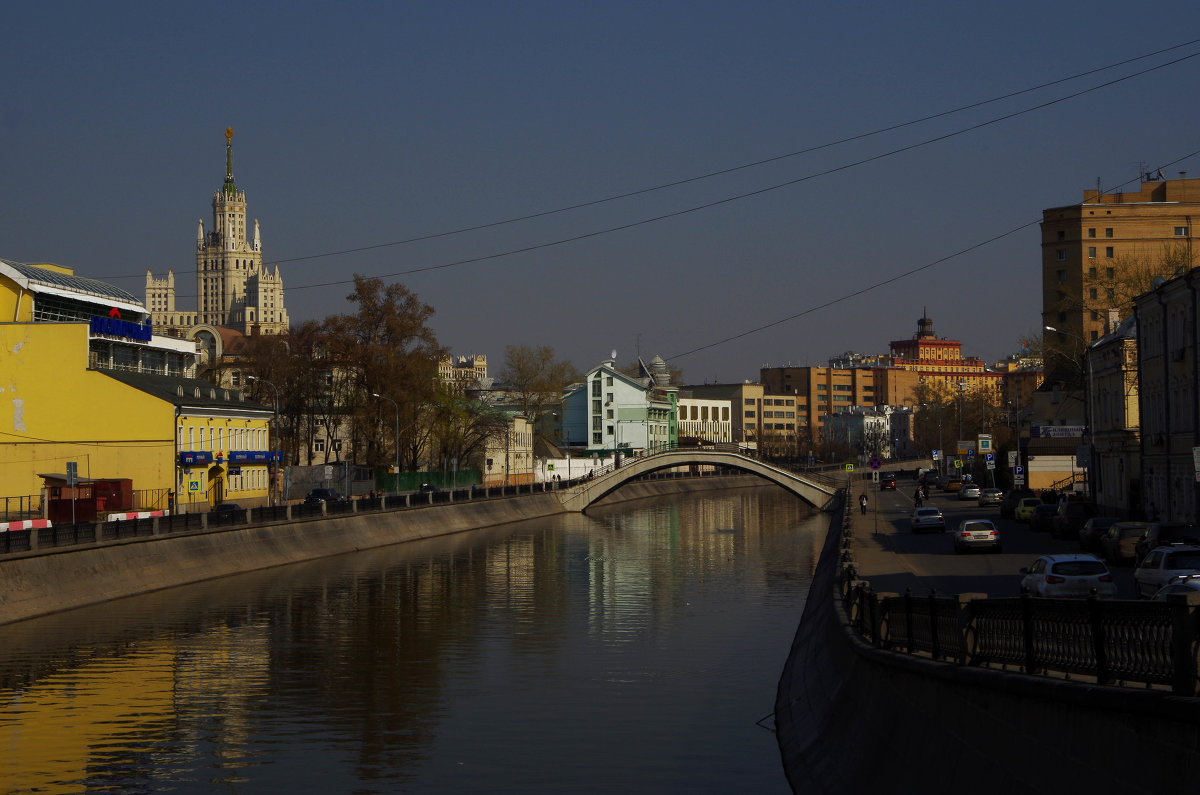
x,y
597,439
1062,235
1108,232
1181,231
596,409
1110,294
1092,293
596,388
608,381
318,445
748,401
1092,232
1061,275
595,423
1092,271
1061,254
1108,251
1092,255
1108,273
609,397
749,413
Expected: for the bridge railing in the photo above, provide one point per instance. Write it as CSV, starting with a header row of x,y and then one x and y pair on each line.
x,y
1116,642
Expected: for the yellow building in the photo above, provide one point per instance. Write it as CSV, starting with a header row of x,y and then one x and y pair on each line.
x,y
85,382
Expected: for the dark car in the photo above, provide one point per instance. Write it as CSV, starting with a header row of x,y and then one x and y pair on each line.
x,y
1042,520
887,480
1093,530
428,488
321,496
1161,533
1011,500
1119,544
227,508
1070,518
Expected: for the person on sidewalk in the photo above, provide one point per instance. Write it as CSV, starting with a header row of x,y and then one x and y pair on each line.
x,y
862,502
918,497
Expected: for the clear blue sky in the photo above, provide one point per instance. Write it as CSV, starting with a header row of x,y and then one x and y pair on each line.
x,y
360,124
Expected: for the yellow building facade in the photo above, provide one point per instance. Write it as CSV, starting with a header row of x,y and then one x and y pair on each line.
x,y
84,381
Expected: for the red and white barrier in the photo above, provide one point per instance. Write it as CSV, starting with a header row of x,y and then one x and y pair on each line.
x,y
25,524
121,517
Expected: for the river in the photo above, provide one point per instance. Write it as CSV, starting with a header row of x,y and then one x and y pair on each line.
x,y
634,648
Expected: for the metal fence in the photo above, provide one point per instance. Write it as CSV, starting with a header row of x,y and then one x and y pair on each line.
x,y
1153,643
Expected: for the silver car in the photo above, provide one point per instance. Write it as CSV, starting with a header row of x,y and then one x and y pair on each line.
x,y
990,496
969,491
1069,576
977,534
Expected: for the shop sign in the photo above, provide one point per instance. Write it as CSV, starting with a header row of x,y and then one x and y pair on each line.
x,y
195,457
115,327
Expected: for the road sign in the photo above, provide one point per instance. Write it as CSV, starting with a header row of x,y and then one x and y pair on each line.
x,y
1012,458
970,455
875,463
1019,472
958,463
990,458
991,464
937,455
72,473
849,467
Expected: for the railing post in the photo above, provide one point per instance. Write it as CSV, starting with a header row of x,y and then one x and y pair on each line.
x,y
933,625
1027,633
908,618
1183,642
1099,648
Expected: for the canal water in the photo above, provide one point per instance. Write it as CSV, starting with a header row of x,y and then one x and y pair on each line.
x,y
636,648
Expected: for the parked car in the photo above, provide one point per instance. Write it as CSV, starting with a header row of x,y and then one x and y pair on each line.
x,y
1024,509
321,496
1093,530
929,477
429,488
927,520
1188,583
1012,499
990,496
977,534
1066,576
1119,544
1162,565
969,491
887,481
1070,518
227,508
1042,518
953,484
1159,533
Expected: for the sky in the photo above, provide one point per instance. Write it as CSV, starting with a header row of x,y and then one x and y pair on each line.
x,y
760,222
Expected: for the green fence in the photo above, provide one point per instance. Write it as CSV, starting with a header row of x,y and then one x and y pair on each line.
x,y
411,481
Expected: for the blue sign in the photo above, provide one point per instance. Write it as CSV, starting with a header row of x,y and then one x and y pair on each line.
x,y
115,327
989,457
875,463
1019,471
195,457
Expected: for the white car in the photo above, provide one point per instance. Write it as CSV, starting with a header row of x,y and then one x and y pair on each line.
x,y
1162,565
1069,576
969,491
927,520
977,534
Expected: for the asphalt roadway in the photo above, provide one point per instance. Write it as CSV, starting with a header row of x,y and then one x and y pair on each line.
x,y
894,559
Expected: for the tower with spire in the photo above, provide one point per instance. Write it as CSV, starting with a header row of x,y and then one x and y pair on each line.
x,y
233,288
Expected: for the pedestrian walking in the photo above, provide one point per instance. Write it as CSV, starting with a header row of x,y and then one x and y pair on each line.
x,y
862,502
917,498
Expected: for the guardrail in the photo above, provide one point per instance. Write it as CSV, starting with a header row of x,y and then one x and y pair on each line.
x,y
1116,642
80,535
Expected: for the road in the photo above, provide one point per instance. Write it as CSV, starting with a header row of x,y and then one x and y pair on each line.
x,y
894,559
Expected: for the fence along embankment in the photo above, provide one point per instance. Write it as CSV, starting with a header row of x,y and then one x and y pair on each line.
x,y
853,716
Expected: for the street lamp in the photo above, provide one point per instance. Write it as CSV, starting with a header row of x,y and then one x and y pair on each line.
x,y
273,493
396,476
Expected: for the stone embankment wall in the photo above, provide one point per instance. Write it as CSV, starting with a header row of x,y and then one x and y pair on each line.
x,y
61,579
852,718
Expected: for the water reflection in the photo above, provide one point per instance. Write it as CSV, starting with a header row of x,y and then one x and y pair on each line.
x,y
634,645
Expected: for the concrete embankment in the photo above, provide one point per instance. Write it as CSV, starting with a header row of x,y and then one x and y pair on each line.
x,y
852,718
69,577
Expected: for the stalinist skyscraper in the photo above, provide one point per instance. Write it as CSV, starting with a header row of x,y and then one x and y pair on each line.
x,y
233,288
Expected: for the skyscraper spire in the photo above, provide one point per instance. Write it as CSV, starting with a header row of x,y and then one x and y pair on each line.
x,y
230,188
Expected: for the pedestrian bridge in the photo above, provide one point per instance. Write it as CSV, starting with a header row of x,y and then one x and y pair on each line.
x,y
577,498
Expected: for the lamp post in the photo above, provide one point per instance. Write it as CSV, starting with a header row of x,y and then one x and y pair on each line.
x,y
396,471
1091,417
273,493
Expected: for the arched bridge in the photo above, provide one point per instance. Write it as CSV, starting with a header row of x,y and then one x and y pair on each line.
x,y
579,497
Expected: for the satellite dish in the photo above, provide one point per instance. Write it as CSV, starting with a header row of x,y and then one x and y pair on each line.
x,y
614,354
1158,282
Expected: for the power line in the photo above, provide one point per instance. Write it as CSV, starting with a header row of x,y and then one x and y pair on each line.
x,y
721,172
897,277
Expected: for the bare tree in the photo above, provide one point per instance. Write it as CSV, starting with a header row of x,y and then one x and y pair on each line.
x,y
537,378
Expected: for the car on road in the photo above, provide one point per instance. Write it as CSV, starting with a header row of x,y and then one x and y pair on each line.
x,y
227,508
1162,565
1093,530
887,480
953,484
927,520
1068,576
990,496
969,491
1024,510
1188,583
1119,544
977,534
1159,533
1042,518
318,497
1070,518
1012,499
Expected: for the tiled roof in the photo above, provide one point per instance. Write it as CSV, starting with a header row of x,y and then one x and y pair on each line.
x,y
168,388
80,284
